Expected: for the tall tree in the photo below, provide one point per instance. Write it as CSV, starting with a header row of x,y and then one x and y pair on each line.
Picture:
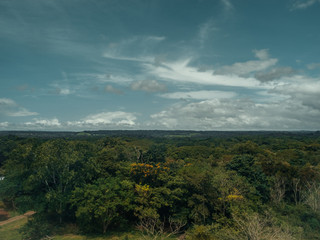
x,y
103,201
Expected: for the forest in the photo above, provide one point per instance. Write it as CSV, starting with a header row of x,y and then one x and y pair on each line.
x,y
164,184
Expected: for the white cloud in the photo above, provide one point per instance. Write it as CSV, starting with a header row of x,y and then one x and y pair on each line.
x,y
10,108
115,56
180,71
111,89
199,95
274,74
64,91
59,90
7,102
262,54
21,112
240,114
104,78
44,123
148,86
154,38
313,66
103,120
303,4
302,89
4,124
117,118
244,68
270,96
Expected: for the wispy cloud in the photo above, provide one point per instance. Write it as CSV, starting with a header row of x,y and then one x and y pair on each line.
x,y
137,49
313,66
206,30
25,88
114,56
62,91
274,74
122,78
244,68
148,86
303,4
10,108
181,71
6,102
204,94
227,4
20,112
111,89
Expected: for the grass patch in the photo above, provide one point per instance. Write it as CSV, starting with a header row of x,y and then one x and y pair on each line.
x,y
10,231
14,214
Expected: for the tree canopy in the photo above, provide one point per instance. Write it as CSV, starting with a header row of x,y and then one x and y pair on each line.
x,y
207,187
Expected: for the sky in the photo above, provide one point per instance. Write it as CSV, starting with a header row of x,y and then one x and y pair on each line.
x,y
159,64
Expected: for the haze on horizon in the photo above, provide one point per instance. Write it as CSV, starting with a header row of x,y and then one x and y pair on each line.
x,y
159,64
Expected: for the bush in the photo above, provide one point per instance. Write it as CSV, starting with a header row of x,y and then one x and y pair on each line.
x,y
199,232
37,228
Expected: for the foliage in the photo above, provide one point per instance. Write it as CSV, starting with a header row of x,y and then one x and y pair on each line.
x,y
102,201
37,228
209,186
245,166
200,232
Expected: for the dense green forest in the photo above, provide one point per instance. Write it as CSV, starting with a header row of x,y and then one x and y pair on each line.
x,y
186,185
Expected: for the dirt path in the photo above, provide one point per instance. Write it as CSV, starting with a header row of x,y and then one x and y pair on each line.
x,y
17,218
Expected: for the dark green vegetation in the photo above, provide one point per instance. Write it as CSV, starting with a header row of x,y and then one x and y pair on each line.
x,y
202,185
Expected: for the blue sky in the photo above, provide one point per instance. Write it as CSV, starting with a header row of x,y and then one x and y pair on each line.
x,y
160,64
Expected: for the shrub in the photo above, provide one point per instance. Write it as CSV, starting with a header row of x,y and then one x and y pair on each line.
x,y
37,228
199,232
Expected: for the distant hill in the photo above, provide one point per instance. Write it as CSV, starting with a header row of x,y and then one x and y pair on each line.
x,y
153,133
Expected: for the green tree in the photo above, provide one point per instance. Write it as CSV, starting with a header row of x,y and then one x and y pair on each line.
x,y
58,167
103,201
200,194
245,166
156,153
17,168
233,190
